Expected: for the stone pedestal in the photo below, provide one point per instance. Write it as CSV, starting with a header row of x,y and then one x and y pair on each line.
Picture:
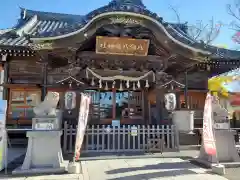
x,y
44,153
227,154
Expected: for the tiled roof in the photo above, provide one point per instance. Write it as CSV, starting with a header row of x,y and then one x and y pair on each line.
x,y
33,22
36,24
2,31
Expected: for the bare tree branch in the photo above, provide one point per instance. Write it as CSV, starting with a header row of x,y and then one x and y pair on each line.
x,y
234,11
206,33
176,13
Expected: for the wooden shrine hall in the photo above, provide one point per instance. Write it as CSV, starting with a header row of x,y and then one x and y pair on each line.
x,y
125,56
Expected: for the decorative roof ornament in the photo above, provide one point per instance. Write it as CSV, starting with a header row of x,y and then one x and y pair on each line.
x,y
40,46
137,3
125,20
70,79
172,85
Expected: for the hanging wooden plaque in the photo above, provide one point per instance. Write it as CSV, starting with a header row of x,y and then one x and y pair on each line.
x,y
122,46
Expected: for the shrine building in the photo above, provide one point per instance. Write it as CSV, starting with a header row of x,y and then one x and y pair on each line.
x,y
122,54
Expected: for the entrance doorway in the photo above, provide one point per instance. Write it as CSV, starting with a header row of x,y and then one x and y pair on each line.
x,y
123,106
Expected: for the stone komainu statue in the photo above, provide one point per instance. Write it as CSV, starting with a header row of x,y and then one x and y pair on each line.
x,y
48,106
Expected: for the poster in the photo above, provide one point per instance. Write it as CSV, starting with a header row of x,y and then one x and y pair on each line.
x,y
115,123
134,131
3,140
82,123
208,136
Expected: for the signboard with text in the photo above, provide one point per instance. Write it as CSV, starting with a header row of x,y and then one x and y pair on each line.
x,y
122,46
82,123
208,136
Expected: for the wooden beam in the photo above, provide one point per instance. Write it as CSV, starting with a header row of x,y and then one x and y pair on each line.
x,y
19,86
94,55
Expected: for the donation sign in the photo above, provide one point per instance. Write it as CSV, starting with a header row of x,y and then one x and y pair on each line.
x,y
82,123
208,136
3,110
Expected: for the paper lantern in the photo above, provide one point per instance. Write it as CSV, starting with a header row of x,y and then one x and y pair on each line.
x,y
170,101
70,100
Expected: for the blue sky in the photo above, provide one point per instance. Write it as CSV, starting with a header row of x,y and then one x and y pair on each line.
x,y
189,10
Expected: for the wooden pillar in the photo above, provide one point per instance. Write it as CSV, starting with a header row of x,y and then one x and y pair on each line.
x,y
145,106
159,105
114,103
44,80
5,79
178,105
186,90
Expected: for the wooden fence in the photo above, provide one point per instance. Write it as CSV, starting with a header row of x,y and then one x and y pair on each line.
x,y
103,138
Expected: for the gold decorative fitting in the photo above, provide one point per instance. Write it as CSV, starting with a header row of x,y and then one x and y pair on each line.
x,y
41,46
124,20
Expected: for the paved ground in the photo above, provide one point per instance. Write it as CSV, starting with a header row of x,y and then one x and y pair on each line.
x,y
134,168
145,168
112,166
49,177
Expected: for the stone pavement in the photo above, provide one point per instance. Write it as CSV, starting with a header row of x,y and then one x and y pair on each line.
x,y
156,166
133,169
47,177
145,168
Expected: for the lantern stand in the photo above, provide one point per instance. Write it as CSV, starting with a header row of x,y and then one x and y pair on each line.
x,y
170,97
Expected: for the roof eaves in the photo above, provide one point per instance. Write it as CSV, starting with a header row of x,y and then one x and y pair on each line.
x,y
3,31
27,26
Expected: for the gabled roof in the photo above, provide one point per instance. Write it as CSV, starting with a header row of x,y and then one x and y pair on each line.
x,y
43,25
